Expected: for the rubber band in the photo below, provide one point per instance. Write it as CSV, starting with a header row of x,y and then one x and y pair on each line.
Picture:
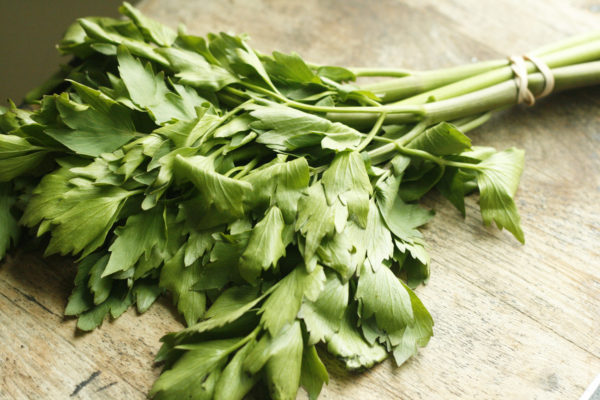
x,y
519,67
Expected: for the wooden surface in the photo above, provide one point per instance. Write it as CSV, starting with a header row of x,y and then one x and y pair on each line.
x,y
512,321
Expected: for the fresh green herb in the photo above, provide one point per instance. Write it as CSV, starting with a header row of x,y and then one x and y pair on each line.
x,y
275,200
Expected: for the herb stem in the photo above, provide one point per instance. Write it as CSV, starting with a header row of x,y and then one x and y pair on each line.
x,y
372,133
428,80
396,109
417,130
488,99
247,168
389,72
469,123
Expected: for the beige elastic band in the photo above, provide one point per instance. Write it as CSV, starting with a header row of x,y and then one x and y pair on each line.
x,y
519,68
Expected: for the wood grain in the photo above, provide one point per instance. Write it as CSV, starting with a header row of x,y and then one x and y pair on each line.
x,y
512,321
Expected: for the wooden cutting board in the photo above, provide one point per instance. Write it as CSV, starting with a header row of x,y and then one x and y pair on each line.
x,y
512,321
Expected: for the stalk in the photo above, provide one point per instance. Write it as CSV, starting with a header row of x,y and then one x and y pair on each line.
x,y
428,80
484,100
570,51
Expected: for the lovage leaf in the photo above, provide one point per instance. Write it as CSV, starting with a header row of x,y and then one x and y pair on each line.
x,y
179,280
415,335
382,294
152,30
265,246
149,90
314,373
18,156
442,139
282,306
323,316
498,179
349,344
188,378
227,194
94,130
136,239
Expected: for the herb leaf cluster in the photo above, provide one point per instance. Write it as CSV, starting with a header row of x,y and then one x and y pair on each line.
x,y
168,162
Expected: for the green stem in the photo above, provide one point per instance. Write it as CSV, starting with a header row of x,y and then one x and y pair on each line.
x,y
469,123
425,81
389,72
417,130
408,109
583,53
372,133
247,168
389,150
484,100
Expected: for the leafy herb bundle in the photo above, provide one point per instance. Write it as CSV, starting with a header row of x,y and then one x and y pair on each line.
x,y
272,199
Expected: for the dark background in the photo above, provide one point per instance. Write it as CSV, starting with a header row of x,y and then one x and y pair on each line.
x,y
29,31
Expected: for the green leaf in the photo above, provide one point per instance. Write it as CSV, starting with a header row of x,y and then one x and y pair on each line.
x,y
291,68
81,299
282,306
316,219
197,245
179,280
102,128
46,200
93,318
18,156
455,185
337,74
345,251
99,286
401,218
265,246
314,373
227,194
149,90
378,239
116,304
189,376
228,307
234,382
84,226
145,294
498,178
340,137
194,70
108,33
80,216
416,187
283,369
414,335
241,123
276,124
135,239
281,184
382,294
346,179
281,357
323,316
349,345
152,30
9,230
236,56
442,139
